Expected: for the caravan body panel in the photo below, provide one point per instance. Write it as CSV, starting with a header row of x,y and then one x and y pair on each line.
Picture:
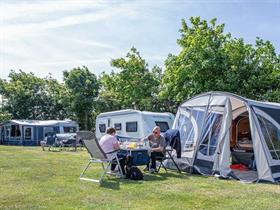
x,y
132,123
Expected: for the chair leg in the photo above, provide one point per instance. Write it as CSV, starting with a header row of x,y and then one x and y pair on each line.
x,y
119,165
159,167
105,172
85,169
103,166
164,167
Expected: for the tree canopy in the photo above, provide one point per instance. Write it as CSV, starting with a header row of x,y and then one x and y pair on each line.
x,y
82,86
211,59
133,86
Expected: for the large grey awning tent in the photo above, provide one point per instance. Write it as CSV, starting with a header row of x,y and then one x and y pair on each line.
x,y
220,130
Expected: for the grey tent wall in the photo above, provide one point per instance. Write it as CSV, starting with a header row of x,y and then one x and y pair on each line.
x,y
263,169
222,155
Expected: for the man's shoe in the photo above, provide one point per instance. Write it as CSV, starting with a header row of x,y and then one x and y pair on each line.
x,y
152,170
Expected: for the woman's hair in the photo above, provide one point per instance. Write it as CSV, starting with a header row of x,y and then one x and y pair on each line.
x,y
110,130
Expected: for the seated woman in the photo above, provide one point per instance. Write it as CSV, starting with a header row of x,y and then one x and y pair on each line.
x,y
157,144
109,143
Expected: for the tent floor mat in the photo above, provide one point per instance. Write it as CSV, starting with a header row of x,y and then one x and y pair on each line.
x,y
248,176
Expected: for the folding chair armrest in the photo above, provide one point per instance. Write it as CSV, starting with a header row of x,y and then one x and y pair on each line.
x,y
112,152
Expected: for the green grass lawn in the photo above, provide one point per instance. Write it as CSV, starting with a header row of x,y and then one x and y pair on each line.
x,y
33,179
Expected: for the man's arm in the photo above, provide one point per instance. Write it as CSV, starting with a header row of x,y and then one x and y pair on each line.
x,y
158,149
149,137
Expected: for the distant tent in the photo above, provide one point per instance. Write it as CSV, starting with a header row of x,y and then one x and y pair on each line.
x,y
227,135
31,132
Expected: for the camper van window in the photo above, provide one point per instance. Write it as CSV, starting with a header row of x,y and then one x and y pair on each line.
x,y
15,131
163,126
118,126
27,133
131,127
102,128
69,129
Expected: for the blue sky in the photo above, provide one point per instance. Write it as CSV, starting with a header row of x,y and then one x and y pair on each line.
x,y
51,36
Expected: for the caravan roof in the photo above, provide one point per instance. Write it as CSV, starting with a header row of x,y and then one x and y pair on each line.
x,y
132,111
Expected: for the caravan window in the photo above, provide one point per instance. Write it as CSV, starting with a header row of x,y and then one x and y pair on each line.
x,y
131,127
15,131
163,126
102,128
118,126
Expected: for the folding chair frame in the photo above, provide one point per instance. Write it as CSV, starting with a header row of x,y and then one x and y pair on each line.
x,y
168,156
106,169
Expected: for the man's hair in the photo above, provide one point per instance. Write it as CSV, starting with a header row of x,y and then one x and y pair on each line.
x,y
110,130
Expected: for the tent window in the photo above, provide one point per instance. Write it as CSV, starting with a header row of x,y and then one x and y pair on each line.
x,y
188,123
163,126
211,134
48,130
27,133
8,130
15,131
272,136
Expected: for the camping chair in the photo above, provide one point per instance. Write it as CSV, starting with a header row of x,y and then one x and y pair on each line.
x,y
97,155
167,156
50,142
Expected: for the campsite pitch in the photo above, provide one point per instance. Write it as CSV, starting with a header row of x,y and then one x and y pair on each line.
x,y
33,179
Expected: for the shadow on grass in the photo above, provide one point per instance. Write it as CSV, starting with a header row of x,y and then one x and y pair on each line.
x,y
114,183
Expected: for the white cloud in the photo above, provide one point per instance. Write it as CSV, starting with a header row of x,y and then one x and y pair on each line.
x,y
18,31
11,11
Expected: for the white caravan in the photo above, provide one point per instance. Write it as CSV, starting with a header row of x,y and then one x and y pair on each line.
x,y
132,123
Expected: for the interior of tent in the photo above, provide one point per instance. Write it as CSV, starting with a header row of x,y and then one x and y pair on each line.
x,y
241,146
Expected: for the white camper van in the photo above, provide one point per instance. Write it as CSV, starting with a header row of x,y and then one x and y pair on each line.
x,y
132,123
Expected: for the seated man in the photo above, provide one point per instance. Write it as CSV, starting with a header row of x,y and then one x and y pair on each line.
x,y
109,143
157,144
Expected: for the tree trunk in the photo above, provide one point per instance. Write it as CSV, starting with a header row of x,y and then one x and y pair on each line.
x,y
86,121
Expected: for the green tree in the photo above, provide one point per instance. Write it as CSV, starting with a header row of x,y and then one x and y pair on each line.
x,y
30,97
133,86
210,60
83,89
4,116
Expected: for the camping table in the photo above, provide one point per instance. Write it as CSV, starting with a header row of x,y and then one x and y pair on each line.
x,y
169,153
140,155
